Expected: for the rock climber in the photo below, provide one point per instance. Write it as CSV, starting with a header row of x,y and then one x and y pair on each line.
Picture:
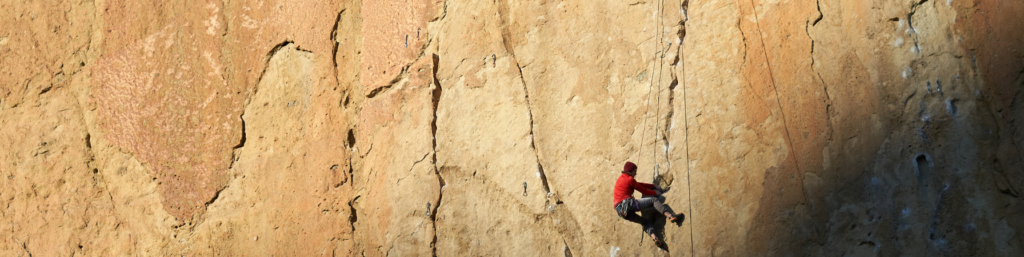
x,y
626,206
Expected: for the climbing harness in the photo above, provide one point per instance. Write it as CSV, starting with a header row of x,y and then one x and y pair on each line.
x,y
626,206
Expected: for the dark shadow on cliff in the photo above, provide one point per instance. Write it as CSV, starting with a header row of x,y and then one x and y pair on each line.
x,y
920,190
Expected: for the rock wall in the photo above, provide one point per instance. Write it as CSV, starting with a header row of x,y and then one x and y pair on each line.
x,y
464,128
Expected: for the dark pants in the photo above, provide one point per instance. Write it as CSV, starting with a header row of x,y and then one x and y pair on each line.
x,y
646,203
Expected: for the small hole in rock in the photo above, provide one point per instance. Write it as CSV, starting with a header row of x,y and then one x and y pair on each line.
x,y
923,165
351,138
951,107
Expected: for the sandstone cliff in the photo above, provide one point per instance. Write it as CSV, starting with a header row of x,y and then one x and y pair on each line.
x,y
467,128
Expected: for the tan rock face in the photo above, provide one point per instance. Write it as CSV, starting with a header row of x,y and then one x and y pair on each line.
x,y
173,115
454,128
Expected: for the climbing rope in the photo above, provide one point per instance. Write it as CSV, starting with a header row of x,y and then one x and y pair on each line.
x,y
661,69
771,74
660,65
686,131
660,54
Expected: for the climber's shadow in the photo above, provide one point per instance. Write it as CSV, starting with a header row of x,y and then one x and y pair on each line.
x,y
659,223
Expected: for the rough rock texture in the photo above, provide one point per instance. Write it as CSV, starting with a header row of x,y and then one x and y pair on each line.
x,y
465,128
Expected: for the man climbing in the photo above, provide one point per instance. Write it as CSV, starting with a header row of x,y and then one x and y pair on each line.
x,y
626,206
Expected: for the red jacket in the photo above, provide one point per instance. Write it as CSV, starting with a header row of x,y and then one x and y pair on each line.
x,y
626,184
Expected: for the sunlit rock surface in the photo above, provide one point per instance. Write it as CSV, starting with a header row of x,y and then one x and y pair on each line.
x,y
467,128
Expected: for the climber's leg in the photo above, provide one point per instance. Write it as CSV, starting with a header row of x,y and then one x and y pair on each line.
x,y
656,203
652,201
646,223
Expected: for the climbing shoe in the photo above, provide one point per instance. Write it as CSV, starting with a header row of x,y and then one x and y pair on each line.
x,y
677,218
657,241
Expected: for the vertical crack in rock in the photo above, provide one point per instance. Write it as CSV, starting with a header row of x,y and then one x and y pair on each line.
x,y
660,65
533,144
436,99
817,4
352,218
334,42
668,117
910,23
828,103
508,43
828,97
666,128
566,251
680,35
743,35
350,146
24,247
